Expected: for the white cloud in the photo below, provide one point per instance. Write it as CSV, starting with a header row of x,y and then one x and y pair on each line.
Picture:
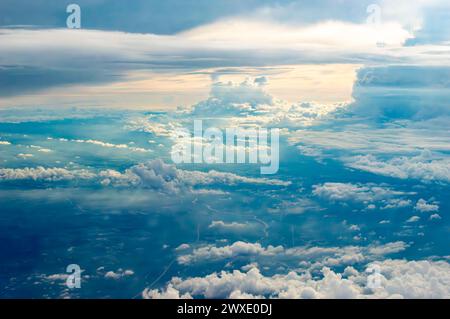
x,y
399,279
183,247
423,206
419,150
389,248
44,174
168,178
24,155
411,138
422,167
413,219
169,293
5,143
435,217
233,226
248,104
155,175
318,256
239,248
362,193
106,144
119,274
149,124
328,40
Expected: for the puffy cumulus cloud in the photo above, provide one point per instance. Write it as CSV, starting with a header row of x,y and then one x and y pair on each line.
x,y
424,167
248,104
168,178
4,143
398,279
169,293
155,175
156,125
362,193
44,174
119,274
239,248
423,206
230,99
313,256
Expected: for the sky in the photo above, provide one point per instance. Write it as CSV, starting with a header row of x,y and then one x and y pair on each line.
x,y
358,90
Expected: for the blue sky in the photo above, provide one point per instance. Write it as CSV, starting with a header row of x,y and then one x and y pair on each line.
x,y
86,124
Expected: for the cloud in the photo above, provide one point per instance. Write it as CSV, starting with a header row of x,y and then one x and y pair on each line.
x,y
422,206
154,175
182,247
408,102
105,144
423,166
435,217
247,104
402,92
24,155
413,219
398,279
168,178
389,248
150,124
20,79
238,248
169,293
229,99
44,174
317,256
40,149
235,227
362,193
42,58
411,138
119,274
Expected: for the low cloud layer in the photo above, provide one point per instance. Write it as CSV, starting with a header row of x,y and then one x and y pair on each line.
x,y
398,279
